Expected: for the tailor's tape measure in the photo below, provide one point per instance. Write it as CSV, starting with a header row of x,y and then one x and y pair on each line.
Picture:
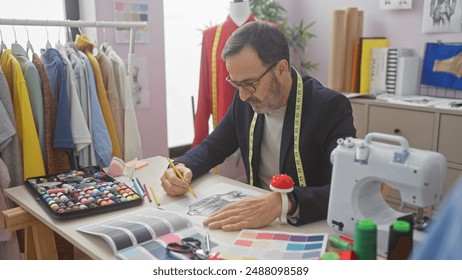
x,y
251,133
214,76
214,80
297,125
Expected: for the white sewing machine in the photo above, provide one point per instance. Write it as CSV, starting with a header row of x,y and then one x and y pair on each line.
x,y
359,168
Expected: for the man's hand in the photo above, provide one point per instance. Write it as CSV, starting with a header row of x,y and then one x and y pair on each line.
x,y
173,185
253,212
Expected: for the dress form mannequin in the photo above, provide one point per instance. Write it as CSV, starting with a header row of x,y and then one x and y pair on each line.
x,y
215,93
239,11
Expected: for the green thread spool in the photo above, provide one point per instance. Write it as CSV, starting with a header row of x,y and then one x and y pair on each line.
x,y
365,240
340,244
330,256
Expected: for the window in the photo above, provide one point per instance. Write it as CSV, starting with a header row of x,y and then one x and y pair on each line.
x,y
183,21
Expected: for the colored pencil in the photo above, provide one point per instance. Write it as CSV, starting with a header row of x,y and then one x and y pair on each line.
x,y
147,193
154,196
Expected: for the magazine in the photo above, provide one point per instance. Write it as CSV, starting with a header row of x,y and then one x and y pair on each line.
x,y
145,234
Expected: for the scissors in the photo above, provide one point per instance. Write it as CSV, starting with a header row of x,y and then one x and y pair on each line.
x,y
191,248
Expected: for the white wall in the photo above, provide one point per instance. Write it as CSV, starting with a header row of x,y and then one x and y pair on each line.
x,y
401,27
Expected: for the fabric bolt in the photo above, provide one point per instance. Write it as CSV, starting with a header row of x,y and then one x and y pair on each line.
x,y
32,159
225,91
84,44
326,117
80,132
57,159
132,138
10,153
58,83
87,154
107,74
99,130
9,247
34,89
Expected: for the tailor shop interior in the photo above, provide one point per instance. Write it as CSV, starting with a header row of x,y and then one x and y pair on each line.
x,y
108,94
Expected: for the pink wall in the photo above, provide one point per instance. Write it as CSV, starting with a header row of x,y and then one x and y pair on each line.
x,y
401,27
152,122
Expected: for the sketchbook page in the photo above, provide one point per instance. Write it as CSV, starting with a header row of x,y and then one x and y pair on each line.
x,y
137,227
275,245
207,203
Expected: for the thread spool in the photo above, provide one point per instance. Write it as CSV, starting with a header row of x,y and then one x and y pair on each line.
x,y
330,256
399,240
365,240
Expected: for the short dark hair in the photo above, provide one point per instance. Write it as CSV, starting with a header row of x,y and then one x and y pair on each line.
x,y
264,38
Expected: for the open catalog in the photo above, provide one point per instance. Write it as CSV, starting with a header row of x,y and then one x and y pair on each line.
x,y
145,234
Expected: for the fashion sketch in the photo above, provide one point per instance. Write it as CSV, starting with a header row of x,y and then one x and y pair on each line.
x,y
442,16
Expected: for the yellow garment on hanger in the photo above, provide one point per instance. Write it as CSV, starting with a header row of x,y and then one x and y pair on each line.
x,y
84,44
25,125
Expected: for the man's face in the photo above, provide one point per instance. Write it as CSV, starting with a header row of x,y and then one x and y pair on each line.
x,y
258,84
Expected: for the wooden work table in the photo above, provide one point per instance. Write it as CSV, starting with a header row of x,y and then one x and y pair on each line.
x,y
40,225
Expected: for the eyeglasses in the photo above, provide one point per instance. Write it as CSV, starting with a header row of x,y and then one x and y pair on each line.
x,y
250,86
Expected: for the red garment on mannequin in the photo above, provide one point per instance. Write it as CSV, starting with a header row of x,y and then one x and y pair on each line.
x,y
225,91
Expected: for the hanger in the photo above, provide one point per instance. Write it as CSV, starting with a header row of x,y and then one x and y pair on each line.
x,y
2,44
59,35
95,44
14,31
48,45
103,46
29,45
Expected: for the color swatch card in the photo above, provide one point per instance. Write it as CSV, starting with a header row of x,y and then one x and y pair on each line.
x,y
144,234
274,245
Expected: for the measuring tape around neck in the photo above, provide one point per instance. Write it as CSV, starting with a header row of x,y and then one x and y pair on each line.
x,y
297,125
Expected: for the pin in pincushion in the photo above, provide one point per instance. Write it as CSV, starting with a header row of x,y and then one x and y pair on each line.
x,y
282,183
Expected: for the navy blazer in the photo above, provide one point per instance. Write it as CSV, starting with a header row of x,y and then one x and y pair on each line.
x,y
326,117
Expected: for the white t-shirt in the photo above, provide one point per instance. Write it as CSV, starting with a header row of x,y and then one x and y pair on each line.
x,y
271,146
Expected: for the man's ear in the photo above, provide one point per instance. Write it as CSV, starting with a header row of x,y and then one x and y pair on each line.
x,y
282,67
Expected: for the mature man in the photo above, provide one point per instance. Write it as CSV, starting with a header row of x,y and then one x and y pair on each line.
x,y
281,122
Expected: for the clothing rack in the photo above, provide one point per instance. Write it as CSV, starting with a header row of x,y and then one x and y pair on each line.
x,y
78,23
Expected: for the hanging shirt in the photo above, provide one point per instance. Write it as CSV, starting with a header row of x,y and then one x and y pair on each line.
x,y
11,151
32,159
225,91
80,132
57,159
7,130
58,82
99,131
87,154
84,44
107,73
34,89
132,138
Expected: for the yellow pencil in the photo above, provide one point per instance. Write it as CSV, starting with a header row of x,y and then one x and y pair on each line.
x,y
178,173
154,196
